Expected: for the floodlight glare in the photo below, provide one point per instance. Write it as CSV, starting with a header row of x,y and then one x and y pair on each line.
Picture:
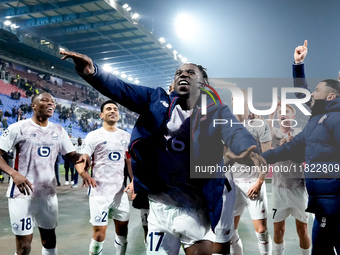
x,y
115,72
135,16
123,75
161,40
137,81
184,60
107,68
169,46
7,22
130,78
185,26
125,6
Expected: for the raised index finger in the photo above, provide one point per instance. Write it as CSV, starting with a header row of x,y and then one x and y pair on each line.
x,y
305,44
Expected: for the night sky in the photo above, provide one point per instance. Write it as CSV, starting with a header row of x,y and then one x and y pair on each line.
x,y
249,38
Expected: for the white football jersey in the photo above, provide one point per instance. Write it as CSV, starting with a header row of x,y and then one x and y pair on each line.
x,y
35,152
293,175
108,151
261,134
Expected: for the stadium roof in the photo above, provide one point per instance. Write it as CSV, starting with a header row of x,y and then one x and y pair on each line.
x,y
102,29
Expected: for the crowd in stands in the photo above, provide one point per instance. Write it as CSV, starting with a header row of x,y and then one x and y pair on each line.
x,y
69,114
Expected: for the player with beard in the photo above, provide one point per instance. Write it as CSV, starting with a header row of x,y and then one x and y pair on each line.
x,y
318,144
108,148
160,150
289,194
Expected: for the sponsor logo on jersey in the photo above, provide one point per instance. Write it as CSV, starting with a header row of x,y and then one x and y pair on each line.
x,y
165,103
123,142
114,156
44,151
15,226
33,135
105,142
54,136
97,218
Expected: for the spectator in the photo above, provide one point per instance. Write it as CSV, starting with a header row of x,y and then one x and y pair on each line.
x,y
20,115
29,108
1,115
7,114
14,112
4,122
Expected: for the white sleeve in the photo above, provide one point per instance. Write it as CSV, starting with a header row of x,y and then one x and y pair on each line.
x,y
296,131
9,137
264,133
66,144
127,145
89,145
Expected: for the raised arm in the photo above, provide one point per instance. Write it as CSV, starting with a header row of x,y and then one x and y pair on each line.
x,y
300,53
300,81
132,96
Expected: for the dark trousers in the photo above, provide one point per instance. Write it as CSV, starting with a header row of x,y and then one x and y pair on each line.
x,y
56,171
326,235
75,177
68,166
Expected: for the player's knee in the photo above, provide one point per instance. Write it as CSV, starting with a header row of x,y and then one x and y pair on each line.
x,y
49,241
263,237
302,230
24,248
49,244
99,236
261,228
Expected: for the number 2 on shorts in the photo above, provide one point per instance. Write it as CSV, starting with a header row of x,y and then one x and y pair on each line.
x,y
160,239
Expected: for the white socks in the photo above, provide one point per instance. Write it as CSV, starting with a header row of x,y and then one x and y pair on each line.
x,y
45,251
236,247
265,243
305,251
120,244
96,248
279,248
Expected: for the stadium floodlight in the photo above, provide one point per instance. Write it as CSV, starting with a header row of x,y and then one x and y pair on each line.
x,y
115,72
137,81
61,49
185,26
180,56
169,46
175,52
123,75
161,40
125,6
107,68
7,22
52,67
130,78
184,60
128,9
135,16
